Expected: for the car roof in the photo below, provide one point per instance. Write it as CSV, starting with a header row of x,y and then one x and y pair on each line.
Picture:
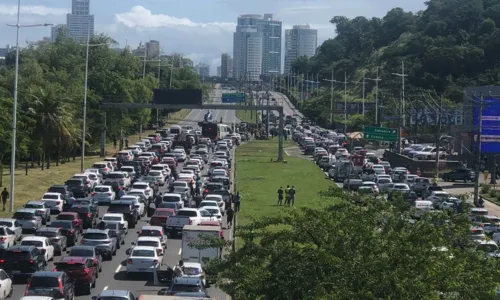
x,y
118,293
48,229
113,214
27,210
148,238
92,230
47,274
35,202
52,193
34,238
84,247
150,227
21,248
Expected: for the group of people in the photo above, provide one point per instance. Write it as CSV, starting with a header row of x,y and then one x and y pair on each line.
x,y
289,193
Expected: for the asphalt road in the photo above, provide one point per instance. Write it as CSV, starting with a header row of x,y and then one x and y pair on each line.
x,y
113,276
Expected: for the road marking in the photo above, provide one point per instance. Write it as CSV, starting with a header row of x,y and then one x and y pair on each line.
x,y
118,268
105,288
180,251
287,154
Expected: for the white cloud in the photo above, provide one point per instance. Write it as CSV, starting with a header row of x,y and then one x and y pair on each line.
x,y
304,8
141,17
32,10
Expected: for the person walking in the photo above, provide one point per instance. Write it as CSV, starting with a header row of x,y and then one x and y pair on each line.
x,y
5,196
292,196
126,142
280,196
229,216
237,202
287,195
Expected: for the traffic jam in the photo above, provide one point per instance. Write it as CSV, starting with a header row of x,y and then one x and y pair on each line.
x,y
362,170
174,184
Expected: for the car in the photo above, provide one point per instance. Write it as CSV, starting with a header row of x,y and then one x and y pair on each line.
x,y
115,295
56,238
160,216
74,217
115,217
154,231
194,269
142,259
208,203
27,219
104,194
118,231
61,189
6,286
23,261
215,211
42,243
7,237
460,174
103,240
68,229
88,214
137,202
127,209
82,270
144,185
87,251
87,202
55,201
42,210
57,285
13,225
159,177
150,241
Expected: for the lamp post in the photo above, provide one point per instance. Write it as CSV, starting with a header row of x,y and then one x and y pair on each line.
x,y
14,105
84,125
377,79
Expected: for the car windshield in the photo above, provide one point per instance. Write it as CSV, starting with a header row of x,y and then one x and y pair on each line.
x,y
65,217
79,252
192,271
62,224
150,232
24,215
155,173
187,213
44,282
487,248
112,226
111,218
62,266
50,196
180,184
143,253
45,233
33,206
6,223
101,189
164,213
95,236
71,182
115,207
32,243
140,186
213,211
148,243
17,255
116,175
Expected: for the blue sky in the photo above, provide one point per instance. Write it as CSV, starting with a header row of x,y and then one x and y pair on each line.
x,y
200,29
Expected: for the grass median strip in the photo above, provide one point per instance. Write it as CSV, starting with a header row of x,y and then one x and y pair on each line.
x,y
247,116
33,185
258,179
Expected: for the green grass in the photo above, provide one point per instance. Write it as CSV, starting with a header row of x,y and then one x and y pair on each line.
x,y
258,179
247,116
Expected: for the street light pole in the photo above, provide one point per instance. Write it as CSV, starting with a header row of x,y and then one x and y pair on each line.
x,y
14,105
377,79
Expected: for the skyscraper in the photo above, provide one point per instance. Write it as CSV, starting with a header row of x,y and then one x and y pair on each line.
x,y
299,41
153,48
226,65
203,70
56,30
80,22
219,71
256,32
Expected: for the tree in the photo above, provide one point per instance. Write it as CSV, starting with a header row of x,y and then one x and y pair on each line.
x,y
358,249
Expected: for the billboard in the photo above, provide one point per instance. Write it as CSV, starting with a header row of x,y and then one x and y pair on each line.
x,y
490,131
178,96
428,116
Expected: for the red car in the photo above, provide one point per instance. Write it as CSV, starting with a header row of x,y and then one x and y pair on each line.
x,y
160,216
73,217
83,270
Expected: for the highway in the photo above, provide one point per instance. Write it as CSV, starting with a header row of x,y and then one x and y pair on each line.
x,y
113,276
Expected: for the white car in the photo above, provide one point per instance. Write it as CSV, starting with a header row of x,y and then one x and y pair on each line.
x,y
219,199
142,259
165,170
219,172
54,201
103,194
371,184
215,211
379,169
115,217
208,203
6,288
180,154
140,185
194,269
399,187
159,177
137,203
150,241
14,226
42,243
7,237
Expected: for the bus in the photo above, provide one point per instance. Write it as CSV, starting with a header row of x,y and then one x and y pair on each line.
x,y
215,130
176,129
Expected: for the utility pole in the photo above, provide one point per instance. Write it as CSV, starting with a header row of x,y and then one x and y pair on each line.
x,y
364,81
317,82
478,151
307,86
345,102
331,101
438,133
302,87
402,75
377,79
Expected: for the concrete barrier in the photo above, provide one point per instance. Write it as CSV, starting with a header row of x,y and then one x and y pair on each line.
x,y
427,167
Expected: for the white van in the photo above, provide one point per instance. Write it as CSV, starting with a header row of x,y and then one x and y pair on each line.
x,y
421,207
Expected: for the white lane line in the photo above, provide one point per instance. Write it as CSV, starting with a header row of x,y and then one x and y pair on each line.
x,y
180,251
118,268
105,288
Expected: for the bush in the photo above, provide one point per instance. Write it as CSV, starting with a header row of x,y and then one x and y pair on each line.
x,y
485,189
493,193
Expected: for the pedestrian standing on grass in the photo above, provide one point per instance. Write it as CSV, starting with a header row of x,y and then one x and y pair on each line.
x,y
292,196
5,196
237,202
280,196
287,195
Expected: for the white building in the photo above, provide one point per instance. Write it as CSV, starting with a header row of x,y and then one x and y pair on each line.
x,y
299,41
55,30
153,48
203,70
247,53
80,22
271,44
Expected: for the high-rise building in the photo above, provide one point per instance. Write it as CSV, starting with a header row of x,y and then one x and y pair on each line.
x,y
5,51
153,48
203,70
225,65
56,30
230,67
219,71
249,30
299,41
80,22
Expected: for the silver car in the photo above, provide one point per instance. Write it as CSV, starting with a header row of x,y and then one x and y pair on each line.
x,y
104,194
27,219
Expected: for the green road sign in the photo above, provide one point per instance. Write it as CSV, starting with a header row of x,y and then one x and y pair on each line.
x,y
380,134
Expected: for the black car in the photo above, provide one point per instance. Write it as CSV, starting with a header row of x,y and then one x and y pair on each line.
x,y
56,238
57,285
211,187
130,213
23,261
64,190
87,251
460,174
77,187
68,229
88,213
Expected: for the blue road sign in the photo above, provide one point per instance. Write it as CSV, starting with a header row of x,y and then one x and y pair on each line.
x,y
490,131
233,97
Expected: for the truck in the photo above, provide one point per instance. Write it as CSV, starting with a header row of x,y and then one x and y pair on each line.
x,y
342,170
190,234
185,217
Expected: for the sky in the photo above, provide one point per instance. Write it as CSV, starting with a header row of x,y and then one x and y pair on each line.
x,y
200,29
